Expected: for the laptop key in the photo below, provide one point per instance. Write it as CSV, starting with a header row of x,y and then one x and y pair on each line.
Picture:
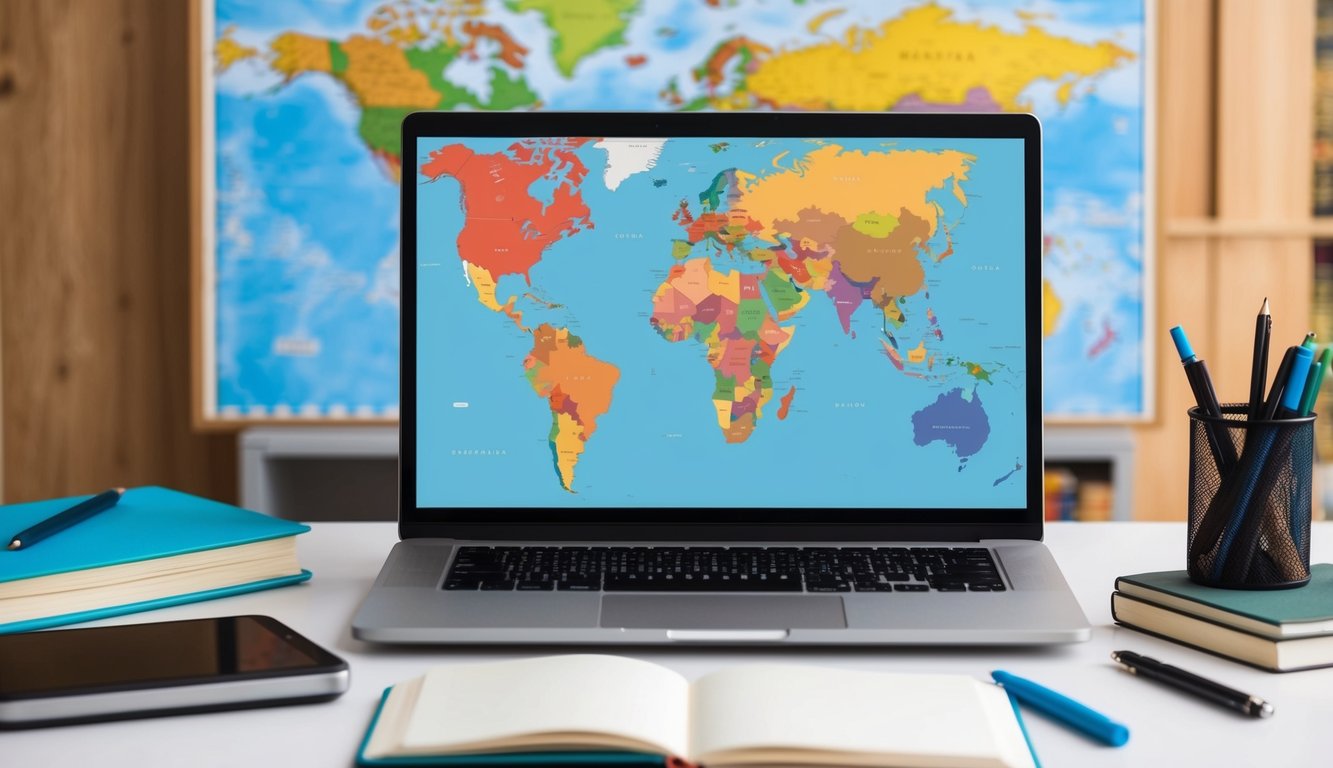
x,y
535,586
911,588
580,585
873,586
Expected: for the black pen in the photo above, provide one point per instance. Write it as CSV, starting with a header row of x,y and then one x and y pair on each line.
x,y
1263,328
62,520
1143,666
1196,371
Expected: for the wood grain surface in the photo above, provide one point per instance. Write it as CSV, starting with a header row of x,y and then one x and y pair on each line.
x,y
94,252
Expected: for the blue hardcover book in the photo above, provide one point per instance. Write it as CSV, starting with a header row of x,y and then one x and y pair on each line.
x,y
156,547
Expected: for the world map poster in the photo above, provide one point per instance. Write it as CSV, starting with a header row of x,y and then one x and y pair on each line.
x,y
302,103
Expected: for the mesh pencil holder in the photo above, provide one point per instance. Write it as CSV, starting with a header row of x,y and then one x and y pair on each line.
x,y
1250,495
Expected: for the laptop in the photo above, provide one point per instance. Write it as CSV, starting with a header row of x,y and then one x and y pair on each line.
x,y
752,378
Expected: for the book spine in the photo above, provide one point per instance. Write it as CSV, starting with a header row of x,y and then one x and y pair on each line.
x,y
1323,112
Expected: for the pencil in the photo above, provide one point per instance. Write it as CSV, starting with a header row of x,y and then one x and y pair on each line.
x,y
1263,327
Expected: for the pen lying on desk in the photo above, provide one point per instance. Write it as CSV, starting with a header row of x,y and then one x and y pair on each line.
x,y
1063,709
1144,666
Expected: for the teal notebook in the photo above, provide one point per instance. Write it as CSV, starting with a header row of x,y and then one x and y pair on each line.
x,y
155,548
513,760
1302,612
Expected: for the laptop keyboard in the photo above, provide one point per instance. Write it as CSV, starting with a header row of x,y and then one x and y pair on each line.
x,y
725,569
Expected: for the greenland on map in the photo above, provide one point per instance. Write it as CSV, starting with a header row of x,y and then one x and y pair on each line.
x,y
302,103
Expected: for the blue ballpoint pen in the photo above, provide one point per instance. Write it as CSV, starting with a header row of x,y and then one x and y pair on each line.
x,y
1063,708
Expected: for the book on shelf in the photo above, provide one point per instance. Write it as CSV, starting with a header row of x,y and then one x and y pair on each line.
x,y
1061,494
1323,110
1071,497
1277,630
596,709
154,548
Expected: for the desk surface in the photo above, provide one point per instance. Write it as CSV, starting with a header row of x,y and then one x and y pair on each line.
x,y
1166,728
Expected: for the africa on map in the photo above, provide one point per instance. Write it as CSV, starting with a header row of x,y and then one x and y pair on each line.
x,y
708,322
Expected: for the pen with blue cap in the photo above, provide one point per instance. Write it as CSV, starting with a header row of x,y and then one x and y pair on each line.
x,y
1224,452
1062,708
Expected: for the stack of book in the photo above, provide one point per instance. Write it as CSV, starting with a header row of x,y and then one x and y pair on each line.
x,y
153,549
1277,630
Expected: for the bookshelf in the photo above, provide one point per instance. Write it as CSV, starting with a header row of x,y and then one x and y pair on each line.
x,y
1089,473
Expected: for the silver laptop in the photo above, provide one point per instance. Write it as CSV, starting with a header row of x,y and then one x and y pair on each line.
x,y
721,378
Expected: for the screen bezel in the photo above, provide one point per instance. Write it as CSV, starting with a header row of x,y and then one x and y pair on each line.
x,y
701,523
94,639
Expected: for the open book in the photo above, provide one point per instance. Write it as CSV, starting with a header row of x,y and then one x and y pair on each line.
x,y
760,714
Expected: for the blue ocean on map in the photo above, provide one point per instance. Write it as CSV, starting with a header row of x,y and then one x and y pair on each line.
x,y
849,438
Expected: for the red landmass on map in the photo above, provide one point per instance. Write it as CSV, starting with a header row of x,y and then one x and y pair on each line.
x,y
506,229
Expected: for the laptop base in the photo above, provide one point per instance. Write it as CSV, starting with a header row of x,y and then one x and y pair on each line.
x,y
408,605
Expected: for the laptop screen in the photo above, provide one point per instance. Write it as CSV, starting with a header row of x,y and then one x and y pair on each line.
x,y
720,322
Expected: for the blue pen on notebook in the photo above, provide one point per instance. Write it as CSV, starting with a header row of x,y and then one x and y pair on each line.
x,y
1062,708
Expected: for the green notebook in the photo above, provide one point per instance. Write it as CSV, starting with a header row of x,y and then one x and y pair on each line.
x,y
156,547
1277,614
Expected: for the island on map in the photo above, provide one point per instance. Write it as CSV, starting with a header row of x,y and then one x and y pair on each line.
x,y
957,420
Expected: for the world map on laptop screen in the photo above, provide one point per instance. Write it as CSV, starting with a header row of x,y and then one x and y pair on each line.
x,y
735,323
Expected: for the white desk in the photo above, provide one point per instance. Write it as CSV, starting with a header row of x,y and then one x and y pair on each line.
x,y
1167,728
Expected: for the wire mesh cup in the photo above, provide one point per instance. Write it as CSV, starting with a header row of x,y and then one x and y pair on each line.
x,y
1250,498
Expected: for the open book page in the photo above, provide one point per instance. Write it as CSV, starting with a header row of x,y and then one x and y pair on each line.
x,y
558,702
769,714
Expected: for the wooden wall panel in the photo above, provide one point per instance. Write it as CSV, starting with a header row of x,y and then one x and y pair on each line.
x,y
1265,110
94,252
1264,133
1184,269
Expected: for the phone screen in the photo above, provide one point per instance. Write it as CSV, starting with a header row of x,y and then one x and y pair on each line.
x,y
173,652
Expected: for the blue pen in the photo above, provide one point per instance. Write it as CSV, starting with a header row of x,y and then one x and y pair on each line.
x,y
1290,406
1062,708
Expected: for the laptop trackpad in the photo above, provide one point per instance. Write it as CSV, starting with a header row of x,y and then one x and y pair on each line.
x,y
723,611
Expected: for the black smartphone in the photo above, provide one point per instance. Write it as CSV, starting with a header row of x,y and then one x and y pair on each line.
x,y
172,667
